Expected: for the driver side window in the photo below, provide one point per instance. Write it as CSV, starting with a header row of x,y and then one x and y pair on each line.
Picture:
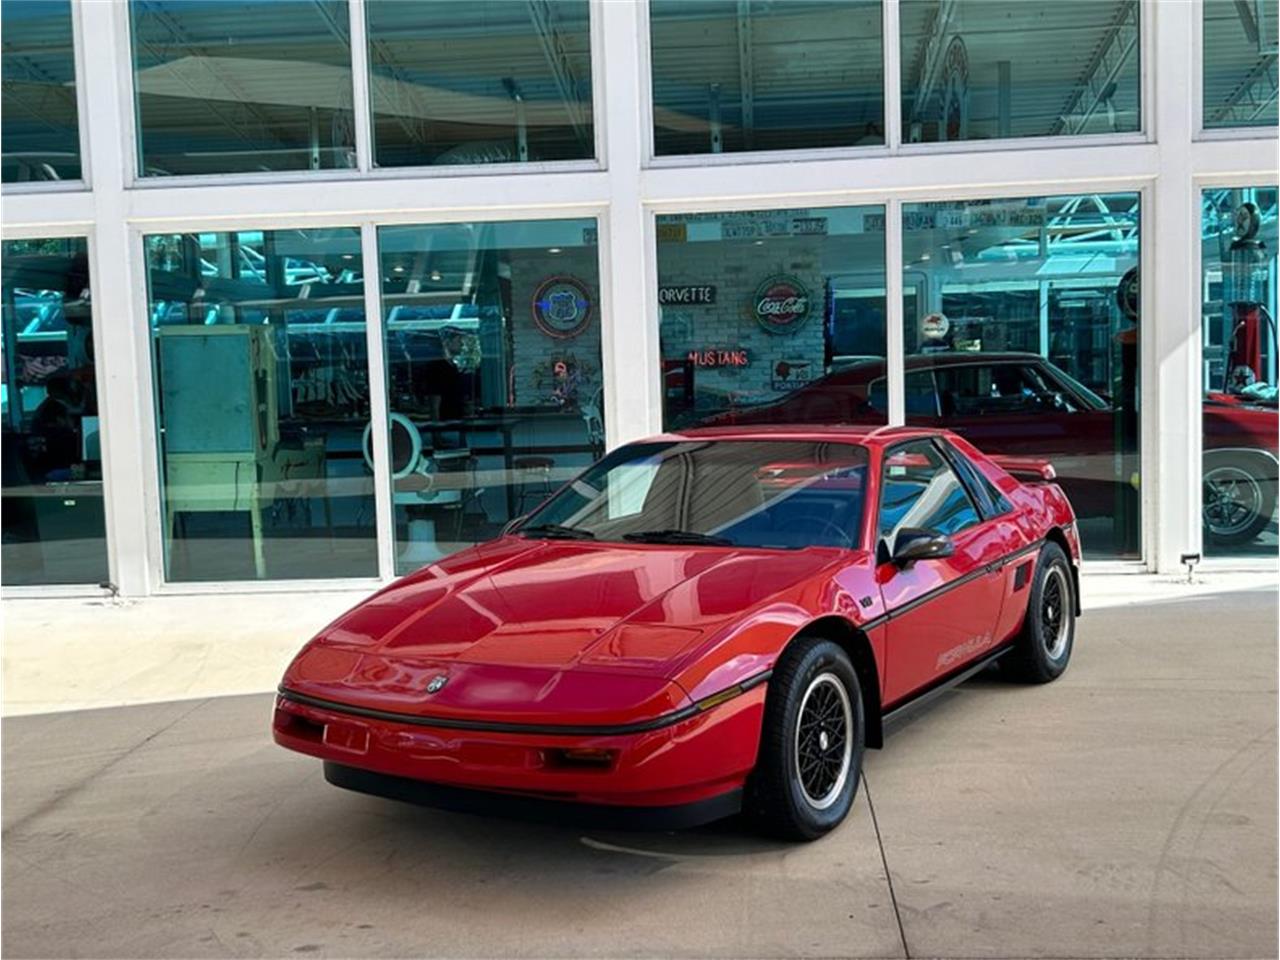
x,y
920,491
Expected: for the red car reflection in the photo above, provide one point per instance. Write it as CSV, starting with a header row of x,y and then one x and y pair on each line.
x,y
1021,404
708,621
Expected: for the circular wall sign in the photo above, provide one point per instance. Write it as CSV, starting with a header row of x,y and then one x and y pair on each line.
x,y
1127,293
935,326
781,303
561,307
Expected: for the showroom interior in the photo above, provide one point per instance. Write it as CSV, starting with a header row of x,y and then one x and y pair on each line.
x,y
314,296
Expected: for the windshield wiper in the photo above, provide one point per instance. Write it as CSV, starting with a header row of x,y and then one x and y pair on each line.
x,y
678,537
557,531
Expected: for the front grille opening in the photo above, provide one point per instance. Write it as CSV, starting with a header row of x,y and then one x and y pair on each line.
x,y
581,758
299,727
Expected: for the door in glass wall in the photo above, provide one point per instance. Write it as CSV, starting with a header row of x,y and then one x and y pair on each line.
x,y
1023,337
226,86
734,75
261,376
1241,75
488,81
986,69
40,132
54,529
1238,327
493,374
772,316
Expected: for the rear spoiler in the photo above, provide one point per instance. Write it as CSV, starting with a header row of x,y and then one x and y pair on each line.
x,y
1027,469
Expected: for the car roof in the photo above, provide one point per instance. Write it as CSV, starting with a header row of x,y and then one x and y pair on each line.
x,y
929,361
861,434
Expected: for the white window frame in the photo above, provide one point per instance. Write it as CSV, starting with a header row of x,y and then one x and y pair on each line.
x,y
1168,166
1263,134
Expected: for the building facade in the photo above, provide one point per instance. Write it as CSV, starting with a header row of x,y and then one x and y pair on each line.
x,y
311,293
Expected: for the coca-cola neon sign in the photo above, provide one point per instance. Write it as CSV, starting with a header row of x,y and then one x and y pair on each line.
x,y
781,303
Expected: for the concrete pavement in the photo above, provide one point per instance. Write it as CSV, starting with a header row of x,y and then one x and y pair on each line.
x,y
1127,810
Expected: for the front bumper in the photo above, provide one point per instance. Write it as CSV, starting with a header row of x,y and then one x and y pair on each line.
x,y
705,756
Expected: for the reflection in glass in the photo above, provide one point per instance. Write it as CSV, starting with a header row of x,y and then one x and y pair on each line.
x,y
493,374
54,530
262,400
1240,68
1238,284
1024,339
984,69
772,316
730,76
41,138
488,81
230,87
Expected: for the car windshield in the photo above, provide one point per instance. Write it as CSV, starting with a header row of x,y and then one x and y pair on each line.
x,y
779,494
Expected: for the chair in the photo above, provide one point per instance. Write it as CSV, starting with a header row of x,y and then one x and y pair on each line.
x,y
416,486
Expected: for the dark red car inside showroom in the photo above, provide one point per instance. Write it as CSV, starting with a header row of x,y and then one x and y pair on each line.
x,y
701,623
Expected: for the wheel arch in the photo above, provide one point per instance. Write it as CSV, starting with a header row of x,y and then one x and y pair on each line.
x,y
1263,461
857,645
1058,536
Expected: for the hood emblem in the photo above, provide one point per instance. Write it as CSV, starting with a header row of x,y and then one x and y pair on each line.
x,y
437,683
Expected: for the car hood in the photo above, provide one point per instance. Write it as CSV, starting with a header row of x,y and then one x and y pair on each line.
x,y
524,628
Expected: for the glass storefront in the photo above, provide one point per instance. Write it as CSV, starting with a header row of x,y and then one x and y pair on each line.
x,y
233,87
734,75
54,527
1021,334
1238,329
1241,75
40,132
773,316
261,375
489,81
494,373
986,69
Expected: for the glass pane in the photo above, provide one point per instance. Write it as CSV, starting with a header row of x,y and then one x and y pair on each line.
x,y
1025,314
984,69
40,132
1240,72
1241,425
920,492
262,403
225,86
766,74
772,316
54,530
489,81
493,374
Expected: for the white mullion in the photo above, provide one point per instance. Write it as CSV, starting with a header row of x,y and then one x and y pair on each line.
x,y
892,46
379,401
361,87
632,359
82,98
895,335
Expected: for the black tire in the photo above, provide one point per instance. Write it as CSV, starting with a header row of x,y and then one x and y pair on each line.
x,y
1238,501
1043,648
814,676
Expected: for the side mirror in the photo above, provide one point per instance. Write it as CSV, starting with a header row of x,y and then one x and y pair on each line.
x,y
914,544
513,523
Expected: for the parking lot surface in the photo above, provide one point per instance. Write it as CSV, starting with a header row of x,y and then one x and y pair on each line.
x,y
1127,810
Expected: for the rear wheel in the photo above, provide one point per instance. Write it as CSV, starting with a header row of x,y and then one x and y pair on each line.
x,y
1238,503
1043,649
811,745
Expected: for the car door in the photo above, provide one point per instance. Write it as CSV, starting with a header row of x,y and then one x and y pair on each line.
x,y
942,612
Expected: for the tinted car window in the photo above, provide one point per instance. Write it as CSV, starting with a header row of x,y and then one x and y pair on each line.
x,y
993,389
991,500
921,491
920,397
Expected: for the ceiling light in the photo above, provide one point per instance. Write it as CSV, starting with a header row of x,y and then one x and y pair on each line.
x,y
398,269
926,256
435,274
553,249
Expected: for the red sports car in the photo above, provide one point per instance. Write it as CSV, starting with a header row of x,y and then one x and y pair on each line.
x,y
701,623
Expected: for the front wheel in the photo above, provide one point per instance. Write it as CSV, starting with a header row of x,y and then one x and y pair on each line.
x,y
811,745
1043,649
